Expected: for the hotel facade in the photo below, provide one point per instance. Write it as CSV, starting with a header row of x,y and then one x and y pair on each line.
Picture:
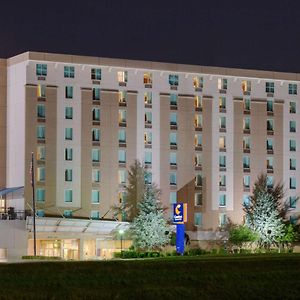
x,y
203,133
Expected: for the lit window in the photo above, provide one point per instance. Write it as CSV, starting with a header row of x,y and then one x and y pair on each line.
x,y
173,80
222,84
222,180
270,105
122,97
198,82
95,74
95,155
69,92
68,213
292,145
198,219
148,158
173,119
198,159
246,123
96,175
222,142
198,121
122,136
68,133
292,183
198,140
222,161
247,104
147,78
222,122
68,154
96,114
68,175
148,117
173,158
95,214
95,196
222,102
222,200
40,195
246,162
173,178
148,98
41,91
246,181
293,201
198,102
292,126
222,219
41,70
270,182
270,144
292,107
148,138
68,195
198,179
96,94
292,164
122,76
173,197
69,113
173,99
198,199
246,143
270,125
122,156
148,178
246,86
269,163
292,89
122,116
40,132
41,111
41,153
69,72
41,173
270,87
173,139
122,177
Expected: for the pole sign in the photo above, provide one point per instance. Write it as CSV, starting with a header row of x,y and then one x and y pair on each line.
x,y
179,218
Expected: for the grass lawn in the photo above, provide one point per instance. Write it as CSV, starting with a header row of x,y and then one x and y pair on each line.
x,y
204,277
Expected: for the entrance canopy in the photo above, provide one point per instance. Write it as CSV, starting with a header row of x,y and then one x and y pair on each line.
x,y
6,191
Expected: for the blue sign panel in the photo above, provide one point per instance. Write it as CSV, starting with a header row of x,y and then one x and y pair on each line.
x,y
180,239
178,213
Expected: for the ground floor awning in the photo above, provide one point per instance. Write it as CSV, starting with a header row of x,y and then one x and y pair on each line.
x,y
6,191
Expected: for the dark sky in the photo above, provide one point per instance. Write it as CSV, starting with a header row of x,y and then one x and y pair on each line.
x,y
247,34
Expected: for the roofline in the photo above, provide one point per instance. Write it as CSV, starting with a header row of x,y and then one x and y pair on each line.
x,y
150,65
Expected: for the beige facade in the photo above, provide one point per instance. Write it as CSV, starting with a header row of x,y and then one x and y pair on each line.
x,y
3,129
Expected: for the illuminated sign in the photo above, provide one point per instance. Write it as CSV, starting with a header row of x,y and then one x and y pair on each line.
x,y
179,213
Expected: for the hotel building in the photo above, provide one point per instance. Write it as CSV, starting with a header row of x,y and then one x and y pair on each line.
x,y
203,133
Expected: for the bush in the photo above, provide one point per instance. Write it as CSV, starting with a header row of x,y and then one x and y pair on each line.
x,y
40,257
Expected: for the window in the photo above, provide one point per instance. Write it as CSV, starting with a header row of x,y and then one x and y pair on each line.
x,y
68,154
247,104
270,125
198,102
68,196
173,80
173,139
269,163
198,159
292,183
69,92
222,219
270,182
122,136
222,180
292,145
95,214
173,158
222,122
148,157
147,78
198,140
95,74
69,72
292,89
222,142
173,99
198,199
222,102
148,98
270,87
246,200
148,117
95,155
294,219
246,143
40,134
173,119
292,126
293,164
68,133
69,113
122,116
122,76
41,91
68,213
41,70
198,219
198,121
40,195
293,201
222,200
246,162
68,175
41,111
96,114
270,105
246,123
222,84
222,161
41,153
148,138
246,86
292,107
198,82
122,97
148,178
173,178
122,197
40,213
173,197
270,144
246,181
96,94
95,197
96,175
198,180
122,177
122,156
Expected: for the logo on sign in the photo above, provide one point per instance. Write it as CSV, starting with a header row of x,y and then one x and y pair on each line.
x,y
178,213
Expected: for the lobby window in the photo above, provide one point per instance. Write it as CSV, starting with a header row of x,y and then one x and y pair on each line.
x,y
122,76
148,98
173,139
122,177
41,111
198,82
198,121
68,134
246,181
68,213
95,214
292,89
222,123
148,138
40,134
293,164
222,219
148,157
246,123
96,135
247,104
173,197
246,143
270,87
173,158
222,180
293,201
69,113
122,156
147,78
122,96
122,136
40,195
222,161
222,200
173,99
198,199
69,92
95,155
95,197
270,144
148,117
173,80
68,196
270,163
292,107
198,159
292,145
173,119
122,116
41,153
96,175
198,219
41,174
69,72
173,178
222,103
198,140
270,125
246,86
292,126
41,91
96,94
198,180
96,114
270,182
68,154
68,175
222,84
222,142
246,162
292,183
95,74
270,105
41,70
198,102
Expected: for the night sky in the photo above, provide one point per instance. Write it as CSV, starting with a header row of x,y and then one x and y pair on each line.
x,y
247,34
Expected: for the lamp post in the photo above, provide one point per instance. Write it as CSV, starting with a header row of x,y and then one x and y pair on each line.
x,y
121,232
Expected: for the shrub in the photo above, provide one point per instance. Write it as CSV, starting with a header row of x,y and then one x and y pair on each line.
x,y
40,257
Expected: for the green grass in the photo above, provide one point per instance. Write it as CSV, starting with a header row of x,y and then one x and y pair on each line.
x,y
203,277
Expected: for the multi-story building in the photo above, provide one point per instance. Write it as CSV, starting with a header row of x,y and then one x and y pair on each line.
x,y
204,134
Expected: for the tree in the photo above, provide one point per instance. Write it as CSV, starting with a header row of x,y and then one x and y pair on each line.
x,y
150,230
289,236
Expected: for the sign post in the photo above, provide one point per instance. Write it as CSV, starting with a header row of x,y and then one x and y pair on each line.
x,y
179,218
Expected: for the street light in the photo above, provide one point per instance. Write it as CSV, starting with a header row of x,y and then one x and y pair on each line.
x,y
121,232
